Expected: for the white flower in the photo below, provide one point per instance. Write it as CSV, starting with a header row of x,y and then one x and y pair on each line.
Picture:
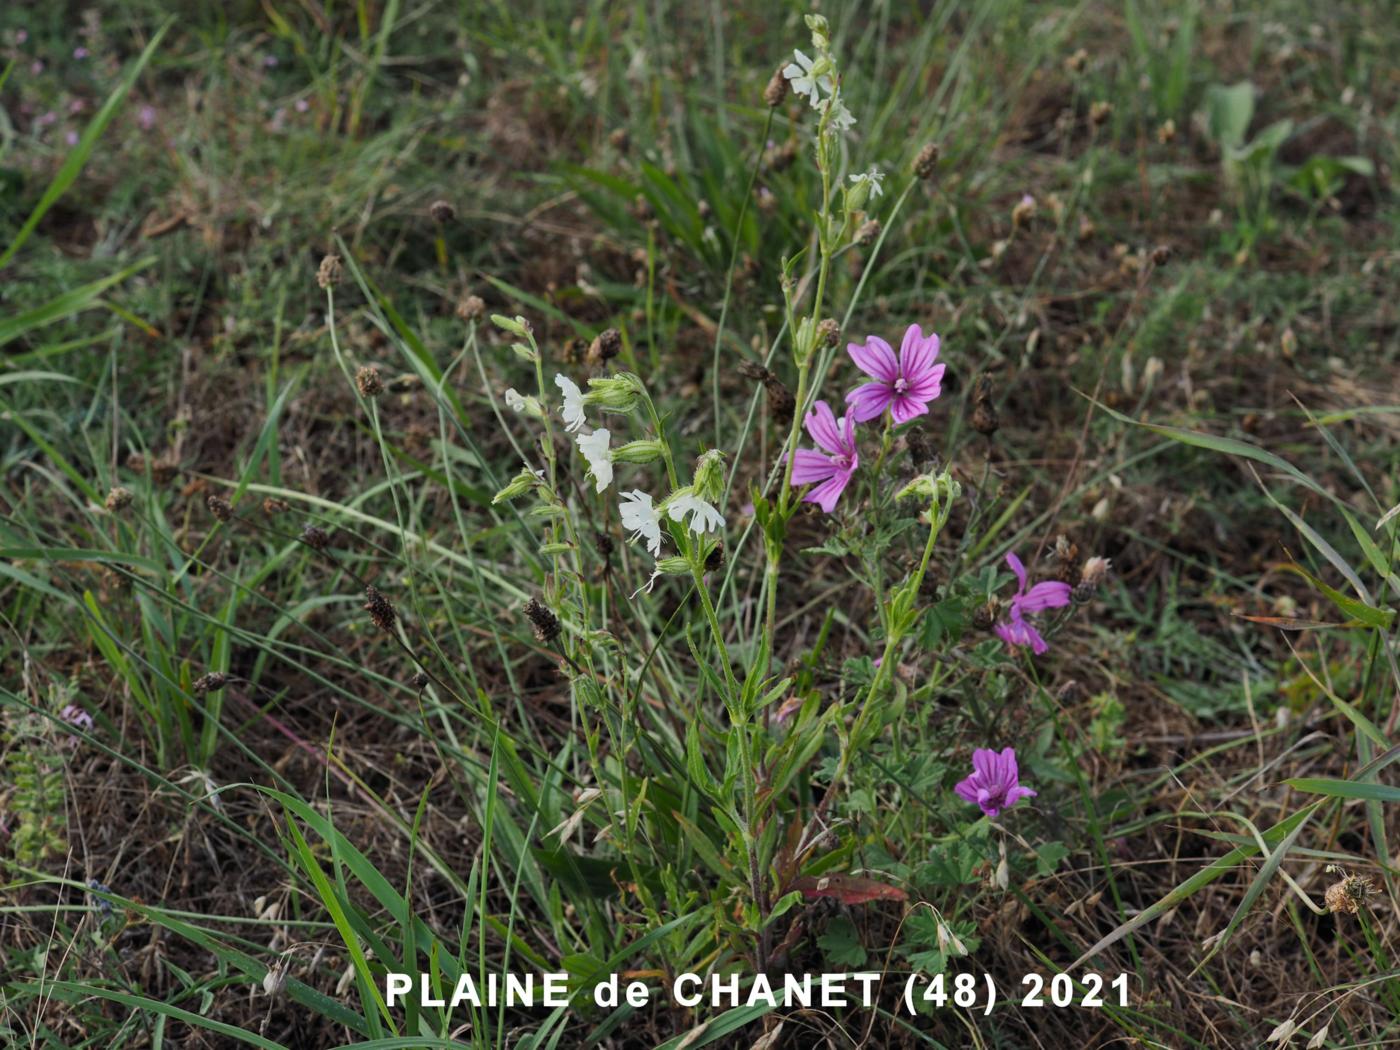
x,y
514,400
704,516
594,447
639,516
573,402
646,587
841,119
872,178
803,83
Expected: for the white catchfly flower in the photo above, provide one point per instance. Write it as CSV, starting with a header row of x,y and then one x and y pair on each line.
x,y
594,447
871,180
573,402
515,401
841,119
641,519
799,75
704,515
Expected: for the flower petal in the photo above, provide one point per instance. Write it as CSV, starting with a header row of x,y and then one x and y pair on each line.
x,y
929,385
828,492
1018,569
917,353
984,762
867,401
809,467
903,409
1050,594
875,358
1016,794
821,424
966,790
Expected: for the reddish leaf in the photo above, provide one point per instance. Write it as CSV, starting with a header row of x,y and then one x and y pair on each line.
x,y
848,889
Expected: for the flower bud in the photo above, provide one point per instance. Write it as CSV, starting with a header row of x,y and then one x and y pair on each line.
x,y
618,393
927,161
674,566
645,451
514,325
523,352
708,480
517,486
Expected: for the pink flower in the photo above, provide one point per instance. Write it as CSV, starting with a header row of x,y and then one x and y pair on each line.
x,y
1051,594
905,386
146,117
995,782
837,437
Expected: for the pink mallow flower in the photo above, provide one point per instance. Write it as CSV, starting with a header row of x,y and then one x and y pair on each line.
x,y
832,472
1050,594
905,385
995,783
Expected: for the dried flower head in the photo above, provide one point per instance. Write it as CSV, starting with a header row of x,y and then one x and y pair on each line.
x,y
419,680
603,543
472,308
714,560
219,507
368,382
1077,62
753,370
315,537
329,273
1099,113
546,625
1024,210
927,161
984,412
119,498
776,90
829,331
621,139
442,212
210,683
273,505
605,347
781,403
868,231
1349,894
380,609
1161,254
1166,133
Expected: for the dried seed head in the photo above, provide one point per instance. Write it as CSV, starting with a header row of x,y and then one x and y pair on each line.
x,y
754,371
419,680
380,609
329,273
715,559
1095,571
781,403
984,418
472,308
1087,228
210,683
621,139
315,537
272,505
1099,113
985,616
368,382
1077,62
869,230
119,498
1349,894
829,331
1161,254
605,347
776,90
1167,132
546,624
442,212
219,507
927,161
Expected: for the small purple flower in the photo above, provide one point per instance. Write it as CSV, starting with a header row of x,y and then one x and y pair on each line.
x,y
76,717
995,783
302,105
837,437
71,137
81,53
146,117
1050,594
904,385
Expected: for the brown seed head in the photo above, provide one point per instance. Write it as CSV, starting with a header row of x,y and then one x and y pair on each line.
x,y
419,680
472,308
1099,113
442,212
605,347
829,331
273,505
1077,62
714,560
210,683
869,230
329,273
219,507
753,370
604,543
315,537
621,139
776,90
546,625
927,161
368,382
985,419
1349,894
119,498
985,616
380,609
1095,571
1161,254
781,403
1167,132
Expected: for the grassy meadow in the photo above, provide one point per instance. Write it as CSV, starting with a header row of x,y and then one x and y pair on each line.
x,y
437,538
